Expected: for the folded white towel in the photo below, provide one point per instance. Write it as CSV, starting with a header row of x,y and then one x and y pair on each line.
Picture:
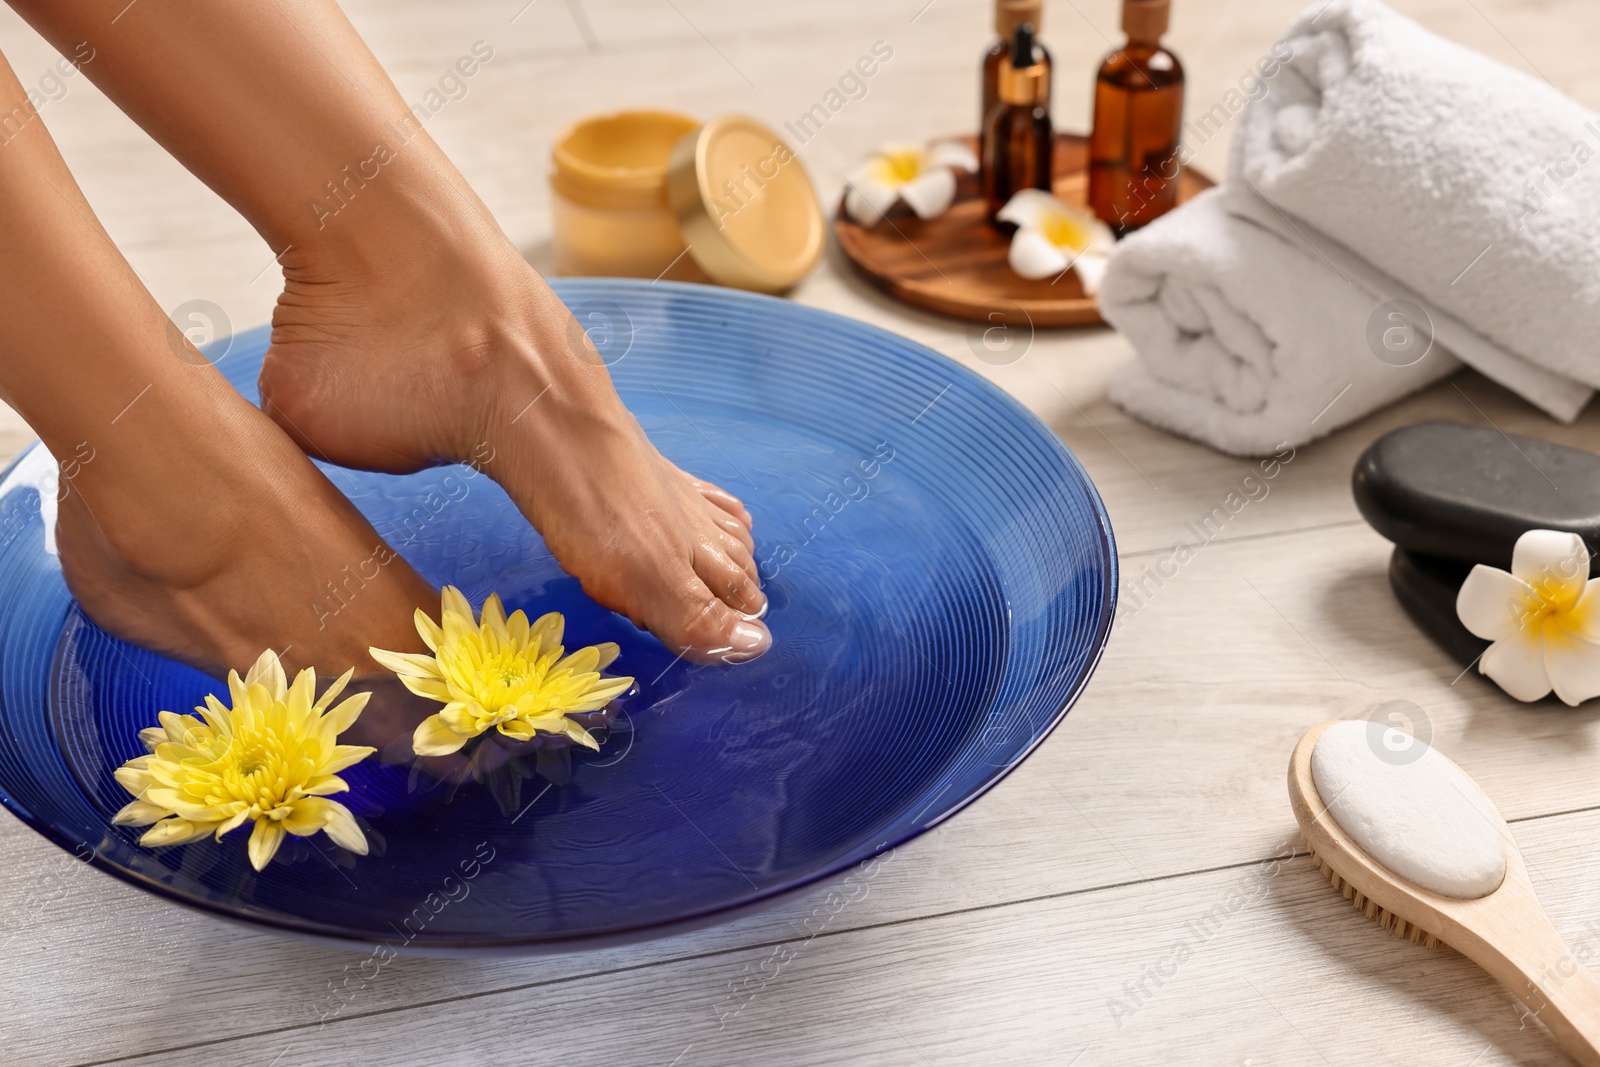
x,y
1472,183
1559,396
1248,339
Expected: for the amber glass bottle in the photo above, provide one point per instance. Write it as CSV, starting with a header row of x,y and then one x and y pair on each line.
x,y
1017,135
1138,116
1008,15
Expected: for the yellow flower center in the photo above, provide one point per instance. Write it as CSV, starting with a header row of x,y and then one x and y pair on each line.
x,y
255,770
506,676
897,168
1064,231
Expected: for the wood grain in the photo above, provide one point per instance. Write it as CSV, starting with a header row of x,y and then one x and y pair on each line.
x,y
1260,963
1003,935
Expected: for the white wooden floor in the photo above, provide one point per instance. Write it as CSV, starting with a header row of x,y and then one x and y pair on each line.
x,y
1043,925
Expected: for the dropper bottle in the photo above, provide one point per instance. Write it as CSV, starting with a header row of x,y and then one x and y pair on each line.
x,y
1017,135
1008,15
1138,118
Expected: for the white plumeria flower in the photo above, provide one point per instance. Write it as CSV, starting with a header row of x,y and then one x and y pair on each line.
x,y
924,177
1052,236
1543,617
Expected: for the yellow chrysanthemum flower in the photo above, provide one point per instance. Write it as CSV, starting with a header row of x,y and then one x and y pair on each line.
x,y
500,672
271,759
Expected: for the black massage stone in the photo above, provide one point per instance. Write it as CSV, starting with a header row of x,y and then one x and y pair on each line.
x,y
1468,492
1426,587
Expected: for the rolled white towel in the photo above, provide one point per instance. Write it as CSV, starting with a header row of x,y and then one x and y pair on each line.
x,y
1472,183
1247,339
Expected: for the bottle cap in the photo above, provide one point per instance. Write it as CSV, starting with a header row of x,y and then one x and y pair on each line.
x,y
745,207
1009,14
1023,79
1145,20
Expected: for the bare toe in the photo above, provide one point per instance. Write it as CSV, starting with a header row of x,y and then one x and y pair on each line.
x,y
728,525
730,580
724,500
707,630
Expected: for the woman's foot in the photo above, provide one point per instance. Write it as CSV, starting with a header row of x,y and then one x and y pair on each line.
x,y
397,354
200,531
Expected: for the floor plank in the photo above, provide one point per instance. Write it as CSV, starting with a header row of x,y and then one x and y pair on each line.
x,y
1256,964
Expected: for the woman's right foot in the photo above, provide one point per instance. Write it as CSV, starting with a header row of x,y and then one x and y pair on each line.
x,y
452,348
199,530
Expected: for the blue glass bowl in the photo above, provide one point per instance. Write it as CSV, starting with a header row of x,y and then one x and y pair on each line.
x,y
942,577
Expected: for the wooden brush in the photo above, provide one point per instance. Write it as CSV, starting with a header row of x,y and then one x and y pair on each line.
x,y
1506,932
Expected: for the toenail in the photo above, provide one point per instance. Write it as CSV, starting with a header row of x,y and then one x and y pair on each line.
x,y
747,641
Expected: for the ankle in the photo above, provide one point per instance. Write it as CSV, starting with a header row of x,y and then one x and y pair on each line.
x,y
382,221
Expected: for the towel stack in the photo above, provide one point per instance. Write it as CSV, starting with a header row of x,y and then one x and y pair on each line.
x,y
1396,205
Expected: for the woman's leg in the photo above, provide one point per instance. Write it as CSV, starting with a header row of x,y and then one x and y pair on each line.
x,y
189,523
410,330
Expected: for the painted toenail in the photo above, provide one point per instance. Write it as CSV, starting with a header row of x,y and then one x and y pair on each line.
x,y
747,641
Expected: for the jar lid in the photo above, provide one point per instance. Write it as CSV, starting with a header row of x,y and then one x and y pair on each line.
x,y
744,205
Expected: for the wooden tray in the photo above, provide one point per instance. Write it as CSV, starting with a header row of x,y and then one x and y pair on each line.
x,y
956,264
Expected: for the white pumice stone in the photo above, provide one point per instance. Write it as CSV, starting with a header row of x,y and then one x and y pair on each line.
x,y
1410,809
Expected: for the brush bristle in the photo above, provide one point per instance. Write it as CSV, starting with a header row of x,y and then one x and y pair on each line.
x,y
1386,919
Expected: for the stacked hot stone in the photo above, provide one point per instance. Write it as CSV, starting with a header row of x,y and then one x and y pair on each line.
x,y
1450,496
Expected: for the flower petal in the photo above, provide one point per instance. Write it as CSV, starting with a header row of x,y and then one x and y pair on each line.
x,y
432,688
1516,664
135,779
494,615
173,831
516,729
232,824
546,633
952,154
302,696
454,601
1029,208
930,195
428,630
139,813
1572,664
346,712
1584,618
344,756
1494,603
337,822
326,786
264,842
584,661
238,692
435,738
334,689
608,652
412,664
267,671
1033,256
867,199
601,694
580,735
1554,563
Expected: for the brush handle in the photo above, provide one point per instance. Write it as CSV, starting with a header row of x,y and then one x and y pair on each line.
x,y
1522,949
